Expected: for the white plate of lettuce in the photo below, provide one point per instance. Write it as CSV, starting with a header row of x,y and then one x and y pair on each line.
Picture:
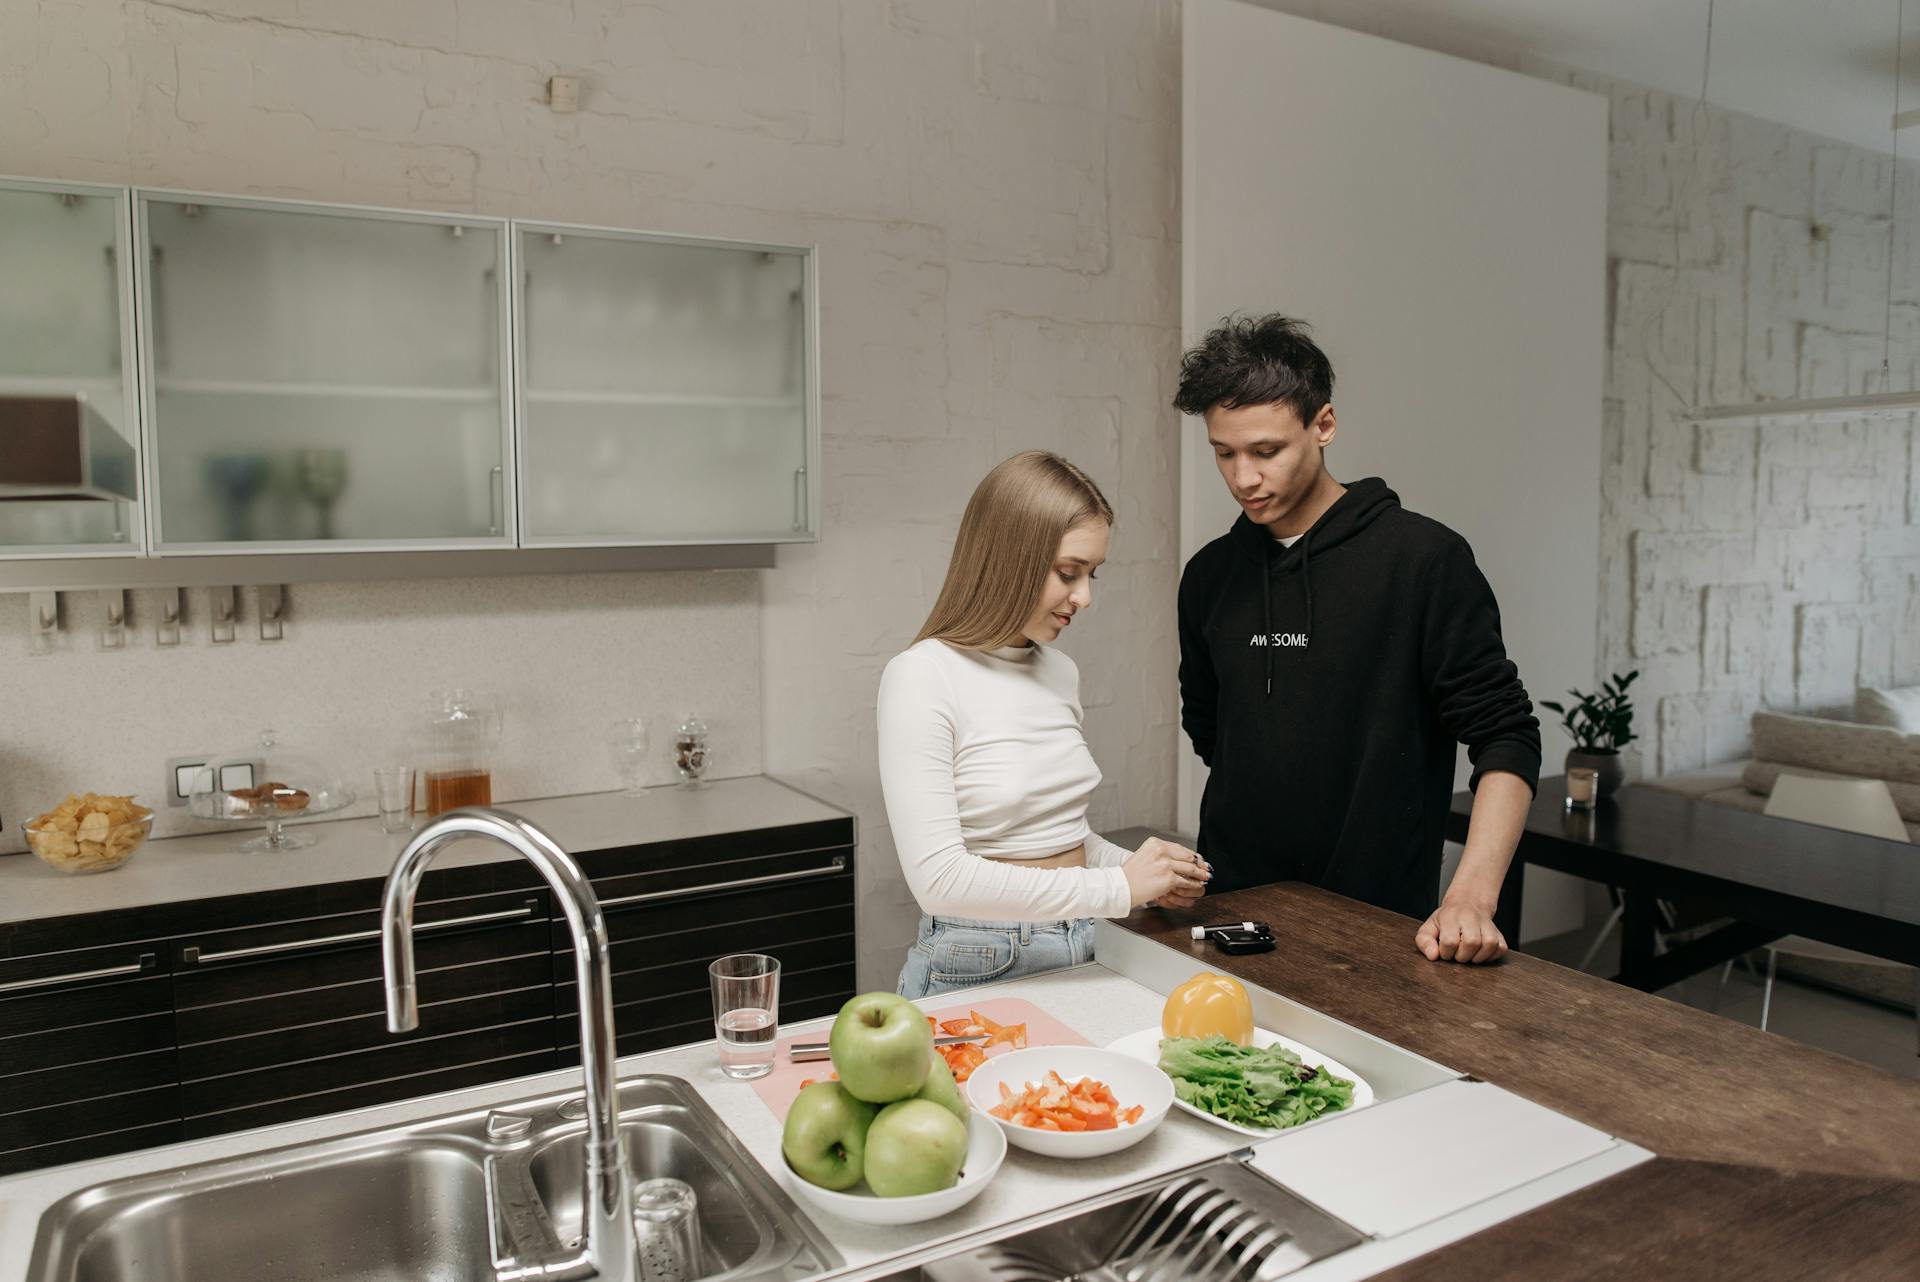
x,y
1275,1084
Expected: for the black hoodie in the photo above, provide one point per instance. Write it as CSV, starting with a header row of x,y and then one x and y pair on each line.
x,y
1326,685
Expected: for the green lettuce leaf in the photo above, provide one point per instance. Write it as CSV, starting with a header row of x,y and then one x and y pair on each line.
x,y
1267,1088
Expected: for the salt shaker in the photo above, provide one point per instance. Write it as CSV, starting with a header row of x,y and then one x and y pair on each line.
x,y
690,754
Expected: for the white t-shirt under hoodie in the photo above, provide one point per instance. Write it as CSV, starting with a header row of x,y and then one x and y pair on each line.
x,y
981,754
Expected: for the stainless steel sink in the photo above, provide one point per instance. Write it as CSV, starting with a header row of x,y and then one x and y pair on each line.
x,y
413,1202
1219,1222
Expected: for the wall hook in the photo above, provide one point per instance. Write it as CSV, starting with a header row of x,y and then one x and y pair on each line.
x,y
221,612
273,611
113,636
43,620
166,632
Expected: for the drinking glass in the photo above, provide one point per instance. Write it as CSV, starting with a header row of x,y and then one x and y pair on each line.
x,y
393,793
1583,787
628,739
666,1224
746,1013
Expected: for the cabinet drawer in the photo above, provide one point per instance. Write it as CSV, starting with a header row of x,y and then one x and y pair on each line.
x,y
87,1061
45,1011
28,974
441,980
75,1119
96,1079
301,944
622,883
347,1042
321,1081
339,1098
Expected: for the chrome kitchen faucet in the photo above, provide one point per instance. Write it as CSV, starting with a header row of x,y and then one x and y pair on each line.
x,y
606,1248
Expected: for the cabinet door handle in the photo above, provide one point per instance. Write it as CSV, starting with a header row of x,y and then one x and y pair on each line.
x,y
839,864
496,500
192,956
800,499
74,977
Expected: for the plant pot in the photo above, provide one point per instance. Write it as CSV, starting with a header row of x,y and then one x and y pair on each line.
x,y
1611,770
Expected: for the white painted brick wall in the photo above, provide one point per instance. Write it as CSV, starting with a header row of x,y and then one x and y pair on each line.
x,y
1756,564
993,188
992,185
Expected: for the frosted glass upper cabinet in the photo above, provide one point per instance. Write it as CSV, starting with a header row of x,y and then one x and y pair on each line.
x,y
666,389
322,378
66,330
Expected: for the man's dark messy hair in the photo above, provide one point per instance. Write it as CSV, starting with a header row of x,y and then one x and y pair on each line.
x,y
1256,360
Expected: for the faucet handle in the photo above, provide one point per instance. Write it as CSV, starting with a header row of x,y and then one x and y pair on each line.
x,y
508,1126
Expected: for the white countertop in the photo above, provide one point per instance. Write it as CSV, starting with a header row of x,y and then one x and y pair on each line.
x,y
208,865
1096,1002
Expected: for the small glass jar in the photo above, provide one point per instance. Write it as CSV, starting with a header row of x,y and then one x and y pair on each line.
x,y
1583,787
690,753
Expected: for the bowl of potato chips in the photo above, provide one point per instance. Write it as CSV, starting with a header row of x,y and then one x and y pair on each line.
x,y
89,833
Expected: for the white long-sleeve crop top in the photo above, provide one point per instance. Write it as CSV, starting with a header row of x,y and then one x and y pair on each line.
x,y
981,754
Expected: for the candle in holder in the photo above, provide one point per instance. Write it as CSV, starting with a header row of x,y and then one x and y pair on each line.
x,y
1583,787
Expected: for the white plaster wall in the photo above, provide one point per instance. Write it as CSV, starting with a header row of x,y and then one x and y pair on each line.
x,y
992,186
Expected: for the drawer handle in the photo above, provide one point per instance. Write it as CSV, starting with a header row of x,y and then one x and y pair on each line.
x,y
192,956
839,864
106,972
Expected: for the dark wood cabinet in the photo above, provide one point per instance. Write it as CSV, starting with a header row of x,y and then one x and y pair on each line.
x,y
666,924
287,1020
86,1044
124,1030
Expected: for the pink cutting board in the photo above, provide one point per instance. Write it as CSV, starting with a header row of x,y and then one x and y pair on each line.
x,y
779,1088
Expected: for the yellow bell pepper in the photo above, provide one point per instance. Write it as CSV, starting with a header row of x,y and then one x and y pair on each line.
x,y
1206,1005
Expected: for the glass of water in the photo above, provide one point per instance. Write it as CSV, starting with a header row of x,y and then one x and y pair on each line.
x,y
746,1013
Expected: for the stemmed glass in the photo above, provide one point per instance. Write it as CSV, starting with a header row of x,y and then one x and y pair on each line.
x,y
628,740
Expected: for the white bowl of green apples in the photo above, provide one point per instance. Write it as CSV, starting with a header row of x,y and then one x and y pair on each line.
x,y
893,1140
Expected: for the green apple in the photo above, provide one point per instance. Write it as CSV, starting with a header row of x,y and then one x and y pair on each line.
x,y
825,1138
881,1044
915,1146
943,1090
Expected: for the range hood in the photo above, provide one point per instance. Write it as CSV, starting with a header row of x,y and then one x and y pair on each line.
x,y
58,447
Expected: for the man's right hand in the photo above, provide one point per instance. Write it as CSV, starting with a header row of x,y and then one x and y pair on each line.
x,y
1164,873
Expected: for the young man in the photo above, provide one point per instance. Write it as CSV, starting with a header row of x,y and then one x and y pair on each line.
x,y
1333,648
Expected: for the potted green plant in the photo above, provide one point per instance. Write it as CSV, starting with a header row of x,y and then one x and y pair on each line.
x,y
1600,724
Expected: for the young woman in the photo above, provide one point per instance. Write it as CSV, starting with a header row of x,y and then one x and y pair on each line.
x,y
984,768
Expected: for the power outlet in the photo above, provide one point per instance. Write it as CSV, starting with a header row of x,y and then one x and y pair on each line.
x,y
189,775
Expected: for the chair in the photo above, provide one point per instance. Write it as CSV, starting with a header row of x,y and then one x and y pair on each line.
x,y
1856,805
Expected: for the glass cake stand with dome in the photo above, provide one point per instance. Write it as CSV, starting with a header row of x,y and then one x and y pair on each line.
x,y
286,786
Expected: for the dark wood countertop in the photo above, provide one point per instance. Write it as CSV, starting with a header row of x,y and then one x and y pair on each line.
x,y
1764,1144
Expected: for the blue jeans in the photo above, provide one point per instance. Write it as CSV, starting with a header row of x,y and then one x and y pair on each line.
x,y
954,953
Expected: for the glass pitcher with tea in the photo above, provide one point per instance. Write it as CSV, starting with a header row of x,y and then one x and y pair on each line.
x,y
462,734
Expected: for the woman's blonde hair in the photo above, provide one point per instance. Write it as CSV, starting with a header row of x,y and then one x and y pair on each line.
x,y
1009,537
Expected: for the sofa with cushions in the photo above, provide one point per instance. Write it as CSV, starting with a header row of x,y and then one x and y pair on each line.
x,y
1881,742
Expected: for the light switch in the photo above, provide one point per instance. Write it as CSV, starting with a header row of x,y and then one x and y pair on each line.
x,y
238,775
186,776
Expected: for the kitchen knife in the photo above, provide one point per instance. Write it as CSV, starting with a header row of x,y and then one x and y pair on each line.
x,y
805,1052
